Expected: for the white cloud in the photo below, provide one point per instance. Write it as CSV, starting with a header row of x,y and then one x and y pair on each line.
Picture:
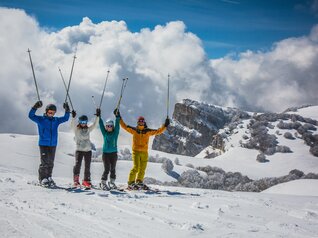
x,y
145,57
285,76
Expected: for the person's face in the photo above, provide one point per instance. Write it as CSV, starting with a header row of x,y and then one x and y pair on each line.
x,y
141,122
109,128
50,113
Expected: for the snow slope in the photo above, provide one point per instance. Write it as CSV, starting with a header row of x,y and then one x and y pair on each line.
x,y
238,159
308,187
33,211
308,112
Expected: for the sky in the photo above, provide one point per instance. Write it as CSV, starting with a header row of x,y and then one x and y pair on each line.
x,y
224,26
255,56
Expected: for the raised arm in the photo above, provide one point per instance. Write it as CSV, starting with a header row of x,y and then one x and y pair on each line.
x,y
93,126
158,131
66,115
32,115
161,129
102,127
126,128
117,126
73,124
64,118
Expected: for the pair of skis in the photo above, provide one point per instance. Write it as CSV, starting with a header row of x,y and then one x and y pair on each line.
x,y
79,189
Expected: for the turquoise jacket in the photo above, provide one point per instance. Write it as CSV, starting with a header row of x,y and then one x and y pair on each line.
x,y
110,138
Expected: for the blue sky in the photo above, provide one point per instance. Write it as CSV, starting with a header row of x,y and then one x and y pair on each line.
x,y
224,26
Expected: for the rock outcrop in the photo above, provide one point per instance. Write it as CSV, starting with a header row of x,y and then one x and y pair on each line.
x,y
194,126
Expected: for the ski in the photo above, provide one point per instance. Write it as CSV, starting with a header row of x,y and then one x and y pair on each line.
x,y
148,190
109,188
53,186
80,189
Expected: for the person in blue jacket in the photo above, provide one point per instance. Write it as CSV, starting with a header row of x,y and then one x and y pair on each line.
x,y
110,133
48,135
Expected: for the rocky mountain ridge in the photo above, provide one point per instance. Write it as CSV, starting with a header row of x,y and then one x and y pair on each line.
x,y
193,126
197,126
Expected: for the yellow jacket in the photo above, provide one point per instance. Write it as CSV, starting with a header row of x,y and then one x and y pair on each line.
x,y
141,135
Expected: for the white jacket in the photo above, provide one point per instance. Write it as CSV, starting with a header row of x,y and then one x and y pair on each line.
x,y
81,138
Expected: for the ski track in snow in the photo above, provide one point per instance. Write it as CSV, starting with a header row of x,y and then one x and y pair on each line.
x,y
33,211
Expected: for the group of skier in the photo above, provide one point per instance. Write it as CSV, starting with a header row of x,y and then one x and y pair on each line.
x,y
48,135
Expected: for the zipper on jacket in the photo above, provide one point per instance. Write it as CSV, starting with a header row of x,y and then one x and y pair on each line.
x,y
51,133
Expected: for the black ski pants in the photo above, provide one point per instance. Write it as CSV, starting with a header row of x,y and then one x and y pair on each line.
x,y
79,155
47,161
109,161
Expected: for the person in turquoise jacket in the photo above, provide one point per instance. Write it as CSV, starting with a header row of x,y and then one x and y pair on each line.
x,y
110,133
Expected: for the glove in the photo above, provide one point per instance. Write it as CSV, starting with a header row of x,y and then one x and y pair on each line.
x,y
98,112
73,114
66,107
116,112
167,122
38,104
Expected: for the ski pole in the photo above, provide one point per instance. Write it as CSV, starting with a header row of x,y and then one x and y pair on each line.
x,y
36,85
68,95
168,96
101,99
69,82
123,86
93,99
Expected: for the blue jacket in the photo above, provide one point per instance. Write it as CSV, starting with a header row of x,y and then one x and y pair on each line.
x,y
110,138
47,127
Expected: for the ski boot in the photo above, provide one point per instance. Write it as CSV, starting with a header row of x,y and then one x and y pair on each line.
x,y
132,186
142,186
51,182
87,184
76,183
112,184
103,185
45,183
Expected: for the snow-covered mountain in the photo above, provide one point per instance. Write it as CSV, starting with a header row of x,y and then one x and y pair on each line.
x,y
205,130
289,209
193,127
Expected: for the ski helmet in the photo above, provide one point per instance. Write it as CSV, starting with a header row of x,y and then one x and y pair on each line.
x,y
109,123
83,119
51,107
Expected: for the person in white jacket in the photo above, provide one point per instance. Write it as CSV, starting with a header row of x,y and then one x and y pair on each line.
x,y
83,147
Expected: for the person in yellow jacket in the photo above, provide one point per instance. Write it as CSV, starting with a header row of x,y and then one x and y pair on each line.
x,y
141,134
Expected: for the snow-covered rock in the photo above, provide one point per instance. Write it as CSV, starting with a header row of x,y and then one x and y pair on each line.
x,y
194,125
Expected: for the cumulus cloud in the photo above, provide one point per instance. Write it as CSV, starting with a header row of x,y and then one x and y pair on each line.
x,y
273,80
282,77
145,57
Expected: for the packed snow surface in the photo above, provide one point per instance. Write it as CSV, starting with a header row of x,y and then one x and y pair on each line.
x,y
32,211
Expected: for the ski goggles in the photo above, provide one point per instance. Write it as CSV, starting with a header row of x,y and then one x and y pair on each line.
x,y
83,122
141,120
109,126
